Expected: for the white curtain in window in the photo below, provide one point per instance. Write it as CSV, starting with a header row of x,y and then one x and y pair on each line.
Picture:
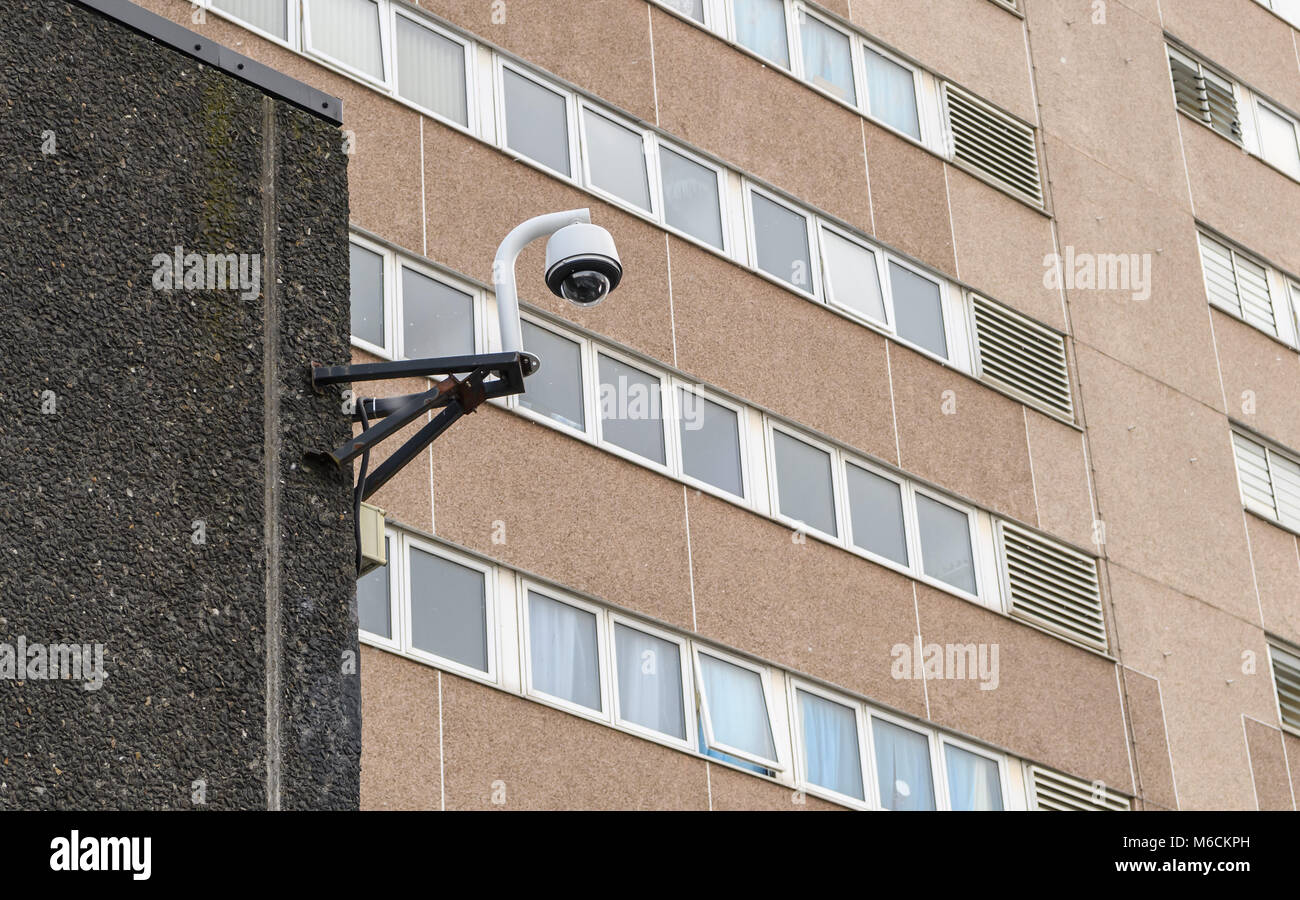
x,y
827,59
562,650
431,70
973,780
348,31
903,767
271,16
760,26
1278,139
830,740
649,681
891,93
737,708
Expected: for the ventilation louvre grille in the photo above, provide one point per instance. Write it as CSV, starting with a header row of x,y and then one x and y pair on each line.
x,y
1286,674
993,143
1057,791
1237,284
1252,473
1205,96
1023,356
1053,586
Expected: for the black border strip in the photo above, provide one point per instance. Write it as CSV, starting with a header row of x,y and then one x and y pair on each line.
x,y
260,76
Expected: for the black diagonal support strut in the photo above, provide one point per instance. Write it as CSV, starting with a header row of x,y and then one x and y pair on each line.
x,y
485,376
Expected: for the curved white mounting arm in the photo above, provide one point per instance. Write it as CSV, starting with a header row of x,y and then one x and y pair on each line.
x,y
503,269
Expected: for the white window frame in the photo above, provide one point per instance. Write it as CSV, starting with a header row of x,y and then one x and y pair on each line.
x,y
769,700
679,424
395,582
670,465
770,427
813,291
799,70
385,47
603,651
402,261
389,268
471,89
586,380
724,217
650,160
492,675
1279,112
910,534
293,29
500,65
972,520
869,799
879,257
946,741
945,307
688,694
938,790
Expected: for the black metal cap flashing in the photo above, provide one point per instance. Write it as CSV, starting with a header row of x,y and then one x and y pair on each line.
x,y
260,76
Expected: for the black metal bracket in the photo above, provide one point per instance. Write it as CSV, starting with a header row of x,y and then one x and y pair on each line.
x,y
484,376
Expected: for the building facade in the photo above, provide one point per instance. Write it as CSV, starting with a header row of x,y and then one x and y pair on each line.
x,y
941,448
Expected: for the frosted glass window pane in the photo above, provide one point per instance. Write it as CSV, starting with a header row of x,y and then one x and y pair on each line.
x,y
563,651
891,93
437,320
803,482
827,59
737,707
973,780
852,277
830,741
1278,138
781,238
271,16
918,308
448,610
431,70
760,26
348,31
902,767
537,122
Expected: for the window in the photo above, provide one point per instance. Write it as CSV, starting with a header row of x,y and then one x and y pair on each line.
x,y
918,309
1269,481
631,413
852,277
876,514
1204,95
711,448
1277,139
691,197
734,709
827,57
974,780
536,121
437,320
431,70
367,295
1237,284
760,26
946,552
902,766
1286,678
271,16
891,93
829,732
375,598
781,242
648,671
449,609
616,159
348,32
804,482
564,651
692,8
555,390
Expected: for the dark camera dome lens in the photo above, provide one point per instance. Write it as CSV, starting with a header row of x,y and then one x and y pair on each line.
x,y
585,287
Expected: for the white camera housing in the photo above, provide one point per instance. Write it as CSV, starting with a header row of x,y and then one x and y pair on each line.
x,y
582,264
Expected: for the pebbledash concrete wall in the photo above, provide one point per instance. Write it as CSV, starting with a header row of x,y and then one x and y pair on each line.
x,y
154,498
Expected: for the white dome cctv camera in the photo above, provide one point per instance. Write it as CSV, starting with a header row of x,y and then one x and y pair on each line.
x,y
582,264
